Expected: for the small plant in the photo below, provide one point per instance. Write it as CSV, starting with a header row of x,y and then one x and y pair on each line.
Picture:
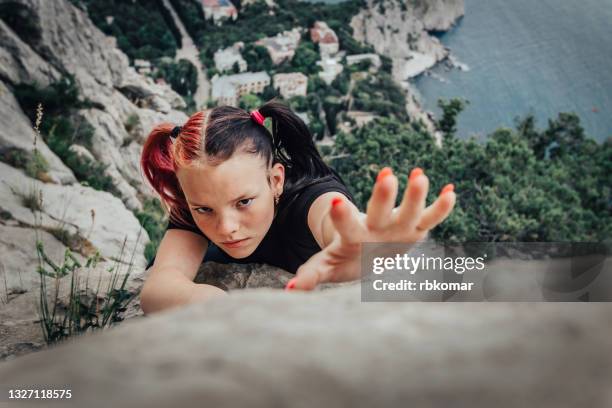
x,y
31,199
86,309
37,166
153,219
132,124
33,163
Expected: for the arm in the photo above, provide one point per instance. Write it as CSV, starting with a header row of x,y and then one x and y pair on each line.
x,y
170,281
340,228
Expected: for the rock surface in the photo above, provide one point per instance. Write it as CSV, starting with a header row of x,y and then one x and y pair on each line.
x,y
20,331
269,348
96,216
67,42
41,43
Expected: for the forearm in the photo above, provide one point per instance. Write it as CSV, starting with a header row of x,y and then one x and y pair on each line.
x,y
171,292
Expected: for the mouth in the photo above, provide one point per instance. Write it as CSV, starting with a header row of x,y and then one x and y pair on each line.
x,y
235,244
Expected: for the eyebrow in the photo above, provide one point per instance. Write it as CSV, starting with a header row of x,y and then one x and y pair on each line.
x,y
243,196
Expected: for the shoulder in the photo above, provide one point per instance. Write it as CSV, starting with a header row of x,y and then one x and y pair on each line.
x,y
305,209
301,199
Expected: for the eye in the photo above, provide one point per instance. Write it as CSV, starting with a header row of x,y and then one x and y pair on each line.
x,y
245,202
203,210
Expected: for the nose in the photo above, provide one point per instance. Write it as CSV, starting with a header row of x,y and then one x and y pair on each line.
x,y
228,225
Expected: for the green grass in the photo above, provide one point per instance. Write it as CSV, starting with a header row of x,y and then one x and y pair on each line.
x,y
87,309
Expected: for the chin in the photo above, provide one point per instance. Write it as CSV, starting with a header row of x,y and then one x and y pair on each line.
x,y
239,253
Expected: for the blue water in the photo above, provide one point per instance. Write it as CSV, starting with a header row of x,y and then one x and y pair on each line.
x,y
526,56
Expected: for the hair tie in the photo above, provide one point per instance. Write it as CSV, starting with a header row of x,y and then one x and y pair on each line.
x,y
257,117
175,132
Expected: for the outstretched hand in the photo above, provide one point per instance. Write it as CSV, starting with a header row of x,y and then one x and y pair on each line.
x,y
340,260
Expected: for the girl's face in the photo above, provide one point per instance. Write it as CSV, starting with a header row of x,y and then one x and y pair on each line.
x,y
233,202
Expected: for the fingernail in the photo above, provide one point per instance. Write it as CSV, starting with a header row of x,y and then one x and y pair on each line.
x,y
384,173
416,172
336,201
290,284
447,188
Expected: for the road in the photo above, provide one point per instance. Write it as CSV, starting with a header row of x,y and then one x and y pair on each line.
x,y
190,52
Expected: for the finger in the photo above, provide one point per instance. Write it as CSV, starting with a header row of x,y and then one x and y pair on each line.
x,y
382,201
413,202
345,218
308,275
439,210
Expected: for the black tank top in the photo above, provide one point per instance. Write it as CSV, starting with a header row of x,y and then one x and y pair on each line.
x,y
289,242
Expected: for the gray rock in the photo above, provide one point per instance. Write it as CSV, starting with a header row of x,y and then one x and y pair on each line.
x,y
236,276
19,63
67,41
270,348
70,208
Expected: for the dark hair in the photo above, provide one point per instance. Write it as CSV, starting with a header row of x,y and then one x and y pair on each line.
x,y
224,130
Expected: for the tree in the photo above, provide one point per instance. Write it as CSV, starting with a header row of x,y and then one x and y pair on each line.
x,y
305,59
249,102
505,191
450,110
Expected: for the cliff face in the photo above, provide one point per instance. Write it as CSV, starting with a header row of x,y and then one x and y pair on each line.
x,y
399,29
41,42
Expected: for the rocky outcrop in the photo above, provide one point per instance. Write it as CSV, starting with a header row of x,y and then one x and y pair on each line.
x,y
20,331
42,42
438,15
399,29
67,42
97,216
265,348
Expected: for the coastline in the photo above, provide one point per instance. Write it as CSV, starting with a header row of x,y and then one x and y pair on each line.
x,y
404,36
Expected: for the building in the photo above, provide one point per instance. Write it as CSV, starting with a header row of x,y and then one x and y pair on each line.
x,y
327,39
219,9
282,47
357,119
331,68
293,84
228,89
270,3
225,59
357,58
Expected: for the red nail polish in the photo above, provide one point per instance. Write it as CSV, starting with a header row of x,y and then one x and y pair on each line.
x,y
384,173
336,201
416,172
290,284
447,188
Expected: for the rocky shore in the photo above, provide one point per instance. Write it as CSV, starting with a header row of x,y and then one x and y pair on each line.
x,y
400,31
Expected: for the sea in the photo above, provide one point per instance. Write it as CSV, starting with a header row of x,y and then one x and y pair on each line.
x,y
537,57
527,57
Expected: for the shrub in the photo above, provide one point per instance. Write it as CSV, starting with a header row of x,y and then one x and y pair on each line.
x,y
154,220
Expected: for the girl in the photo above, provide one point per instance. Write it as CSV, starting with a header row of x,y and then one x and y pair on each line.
x,y
237,192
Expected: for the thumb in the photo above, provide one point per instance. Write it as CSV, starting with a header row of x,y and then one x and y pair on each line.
x,y
345,218
309,275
